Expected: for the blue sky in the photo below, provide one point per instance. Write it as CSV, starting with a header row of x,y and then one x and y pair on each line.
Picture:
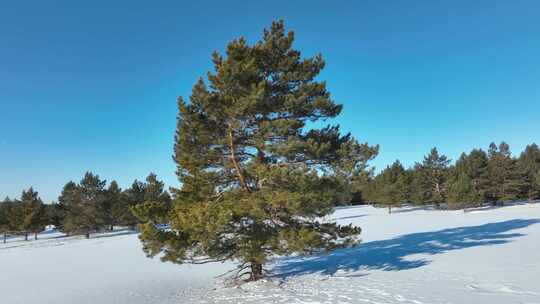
x,y
92,85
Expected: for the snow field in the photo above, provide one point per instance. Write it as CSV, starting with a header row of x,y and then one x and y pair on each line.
x,y
411,256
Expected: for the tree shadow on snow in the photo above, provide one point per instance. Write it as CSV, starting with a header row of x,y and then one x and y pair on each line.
x,y
350,217
393,254
113,234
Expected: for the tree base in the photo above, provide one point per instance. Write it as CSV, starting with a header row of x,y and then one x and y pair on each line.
x,y
256,272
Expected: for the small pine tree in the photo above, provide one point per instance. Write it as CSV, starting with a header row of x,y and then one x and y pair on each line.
x,y
156,204
154,190
460,191
33,213
15,216
5,207
55,214
420,186
114,206
83,203
70,200
390,187
505,182
3,217
467,180
134,196
528,165
431,178
356,173
403,185
477,170
145,198
536,181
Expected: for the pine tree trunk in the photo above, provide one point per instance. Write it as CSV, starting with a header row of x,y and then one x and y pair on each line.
x,y
26,236
389,209
5,238
87,235
35,236
256,271
235,162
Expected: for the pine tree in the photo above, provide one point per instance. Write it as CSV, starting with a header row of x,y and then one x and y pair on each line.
x,y
15,216
528,166
536,180
134,196
3,216
433,171
420,187
356,173
154,190
468,180
83,203
430,178
477,170
255,178
114,206
460,191
55,214
33,213
5,208
390,187
146,198
70,200
505,182
156,204
403,185
360,187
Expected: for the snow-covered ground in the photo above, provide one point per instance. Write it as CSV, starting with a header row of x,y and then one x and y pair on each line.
x,y
410,256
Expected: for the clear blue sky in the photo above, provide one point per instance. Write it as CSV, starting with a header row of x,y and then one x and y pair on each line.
x,y
90,85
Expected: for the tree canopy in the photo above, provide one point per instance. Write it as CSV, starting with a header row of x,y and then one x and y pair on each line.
x,y
256,174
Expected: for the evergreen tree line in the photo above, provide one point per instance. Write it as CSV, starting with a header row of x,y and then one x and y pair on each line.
x,y
82,208
476,178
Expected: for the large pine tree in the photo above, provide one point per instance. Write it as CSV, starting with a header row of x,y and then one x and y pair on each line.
x,y
256,178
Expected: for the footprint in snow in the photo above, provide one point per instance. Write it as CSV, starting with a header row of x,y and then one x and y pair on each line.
x,y
496,288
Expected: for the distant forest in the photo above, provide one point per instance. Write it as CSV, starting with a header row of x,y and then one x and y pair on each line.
x,y
82,208
474,179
